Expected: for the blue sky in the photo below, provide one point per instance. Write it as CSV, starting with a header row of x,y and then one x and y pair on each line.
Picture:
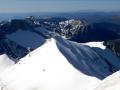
x,y
58,5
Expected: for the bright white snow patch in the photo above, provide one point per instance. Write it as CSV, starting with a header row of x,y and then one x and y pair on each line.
x,y
5,62
46,69
96,44
110,83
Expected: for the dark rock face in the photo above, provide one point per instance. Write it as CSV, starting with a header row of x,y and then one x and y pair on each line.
x,y
13,26
114,45
13,50
8,47
71,27
97,32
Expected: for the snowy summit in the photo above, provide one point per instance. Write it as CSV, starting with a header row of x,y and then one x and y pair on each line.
x,y
48,68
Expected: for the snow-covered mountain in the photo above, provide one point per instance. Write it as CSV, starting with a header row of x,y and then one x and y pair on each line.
x,y
45,69
90,58
60,64
34,55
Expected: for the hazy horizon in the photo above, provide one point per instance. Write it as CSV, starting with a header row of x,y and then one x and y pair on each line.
x,y
48,6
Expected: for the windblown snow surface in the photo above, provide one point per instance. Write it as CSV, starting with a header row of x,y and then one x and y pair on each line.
x,y
59,65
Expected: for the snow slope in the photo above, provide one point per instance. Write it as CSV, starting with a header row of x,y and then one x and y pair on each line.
x,y
5,63
110,83
60,64
46,69
92,61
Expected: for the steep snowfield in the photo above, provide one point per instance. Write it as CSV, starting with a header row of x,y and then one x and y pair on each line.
x,y
46,69
92,61
110,83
